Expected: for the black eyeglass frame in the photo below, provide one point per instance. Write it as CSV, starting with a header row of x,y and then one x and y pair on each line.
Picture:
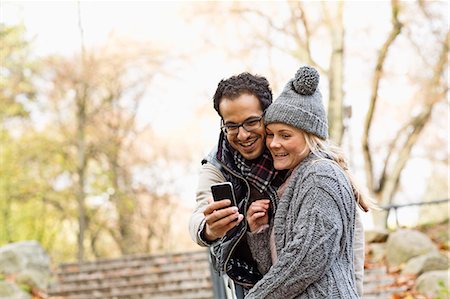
x,y
225,128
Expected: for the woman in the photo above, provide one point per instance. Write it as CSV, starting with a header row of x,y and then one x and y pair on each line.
x,y
312,234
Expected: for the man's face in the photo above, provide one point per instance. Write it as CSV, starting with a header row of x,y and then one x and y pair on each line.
x,y
236,111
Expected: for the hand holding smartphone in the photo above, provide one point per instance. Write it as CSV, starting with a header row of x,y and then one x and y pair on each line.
x,y
220,219
223,191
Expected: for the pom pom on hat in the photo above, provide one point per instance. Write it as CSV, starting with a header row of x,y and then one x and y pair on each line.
x,y
306,80
300,104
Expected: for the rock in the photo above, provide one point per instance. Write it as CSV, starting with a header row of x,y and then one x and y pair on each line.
x,y
425,263
433,283
402,245
32,278
376,236
9,290
377,252
27,261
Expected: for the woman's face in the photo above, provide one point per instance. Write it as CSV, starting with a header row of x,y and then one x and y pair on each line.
x,y
286,144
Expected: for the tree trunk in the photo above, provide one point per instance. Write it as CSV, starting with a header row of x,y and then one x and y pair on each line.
x,y
380,219
336,77
81,100
6,227
125,206
81,170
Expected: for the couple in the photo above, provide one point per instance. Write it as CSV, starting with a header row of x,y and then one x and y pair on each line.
x,y
295,232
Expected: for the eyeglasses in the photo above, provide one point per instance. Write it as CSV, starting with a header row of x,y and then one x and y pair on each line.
x,y
249,125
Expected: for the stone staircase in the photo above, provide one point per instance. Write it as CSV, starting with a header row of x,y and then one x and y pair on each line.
x,y
180,276
379,284
173,276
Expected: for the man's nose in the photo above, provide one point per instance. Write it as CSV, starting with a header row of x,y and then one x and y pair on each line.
x,y
243,133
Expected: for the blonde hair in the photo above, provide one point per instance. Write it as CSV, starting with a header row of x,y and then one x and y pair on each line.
x,y
325,149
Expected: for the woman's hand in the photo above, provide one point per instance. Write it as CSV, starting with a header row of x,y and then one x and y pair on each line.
x,y
258,214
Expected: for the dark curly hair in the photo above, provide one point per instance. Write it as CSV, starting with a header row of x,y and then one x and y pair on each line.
x,y
235,86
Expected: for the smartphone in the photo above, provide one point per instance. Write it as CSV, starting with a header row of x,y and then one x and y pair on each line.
x,y
223,191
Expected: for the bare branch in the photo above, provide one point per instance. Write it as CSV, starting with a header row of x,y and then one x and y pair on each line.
x,y
302,51
439,68
418,123
81,99
293,24
436,31
267,18
424,9
54,203
335,72
394,177
305,22
303,44
395,31
390,151
424,55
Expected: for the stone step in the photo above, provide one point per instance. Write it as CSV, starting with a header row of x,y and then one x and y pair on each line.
x,y
379,284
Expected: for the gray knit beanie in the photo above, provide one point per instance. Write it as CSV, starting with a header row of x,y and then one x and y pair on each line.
x,y
300,104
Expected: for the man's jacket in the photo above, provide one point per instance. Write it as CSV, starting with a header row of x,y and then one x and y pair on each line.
x,y
231,254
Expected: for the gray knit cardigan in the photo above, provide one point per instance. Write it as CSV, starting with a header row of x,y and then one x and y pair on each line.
x,y
314,227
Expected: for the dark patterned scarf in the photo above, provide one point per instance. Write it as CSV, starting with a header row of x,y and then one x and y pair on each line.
x,y
259,172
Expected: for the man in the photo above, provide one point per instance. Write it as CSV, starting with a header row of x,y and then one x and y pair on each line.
x,y
241,158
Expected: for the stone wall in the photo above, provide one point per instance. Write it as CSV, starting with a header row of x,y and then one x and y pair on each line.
x,y
411,254
24,270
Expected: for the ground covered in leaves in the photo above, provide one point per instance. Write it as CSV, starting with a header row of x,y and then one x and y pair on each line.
x,y
391,284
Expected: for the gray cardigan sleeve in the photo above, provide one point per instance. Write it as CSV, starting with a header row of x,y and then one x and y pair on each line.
x,y
259,244
309,253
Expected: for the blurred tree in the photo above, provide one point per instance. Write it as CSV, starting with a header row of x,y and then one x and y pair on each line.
x,y
30,161
31,205
85,155
437,188
18,185
309,33
432,90
305,31
17,69
104,90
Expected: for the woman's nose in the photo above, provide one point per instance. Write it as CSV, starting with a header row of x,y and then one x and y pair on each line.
x,y
274,143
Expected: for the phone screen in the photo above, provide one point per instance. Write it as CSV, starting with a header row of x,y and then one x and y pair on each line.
x,y
223,191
